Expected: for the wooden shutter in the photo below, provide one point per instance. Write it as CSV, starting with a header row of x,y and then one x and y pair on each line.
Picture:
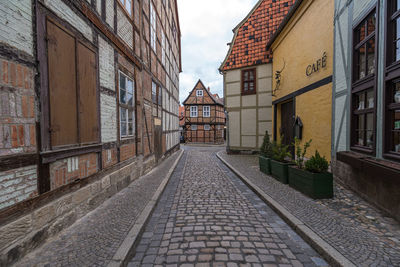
x,y
62,86
88,112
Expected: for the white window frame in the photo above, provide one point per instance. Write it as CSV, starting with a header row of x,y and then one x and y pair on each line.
x,y
193,112
206,113
153,28
199,93
125,108
193,127
207,127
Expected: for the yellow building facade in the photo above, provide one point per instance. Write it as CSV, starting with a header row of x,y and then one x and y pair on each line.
x,y
302,83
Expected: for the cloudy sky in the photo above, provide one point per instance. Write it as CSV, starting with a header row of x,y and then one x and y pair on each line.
x,y
206,27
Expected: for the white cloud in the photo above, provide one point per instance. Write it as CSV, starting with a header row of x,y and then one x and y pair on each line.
x,y
206,28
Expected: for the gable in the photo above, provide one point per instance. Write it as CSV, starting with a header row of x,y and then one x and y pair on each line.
x,y
207,97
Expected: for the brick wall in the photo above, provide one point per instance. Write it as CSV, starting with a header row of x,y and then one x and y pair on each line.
x,y
124,27
68,170
110,13
108,118
127,152
17,185
106,64
18,14
17,109
109,157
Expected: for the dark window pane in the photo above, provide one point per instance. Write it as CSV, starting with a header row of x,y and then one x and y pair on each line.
x,y
396,142
370,101
122,81
251,75
246,75
396,120
360,32
360,140
370,130
396,38
371,24
130,99
396,92
361,62
246,86
361,122
371,56
122,96
123,121
251,86
130,87
370,139
361,101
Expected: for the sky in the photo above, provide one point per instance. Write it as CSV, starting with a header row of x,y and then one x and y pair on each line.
x,y
206,28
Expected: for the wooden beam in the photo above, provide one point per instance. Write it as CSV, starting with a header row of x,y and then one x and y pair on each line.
x,y
18,161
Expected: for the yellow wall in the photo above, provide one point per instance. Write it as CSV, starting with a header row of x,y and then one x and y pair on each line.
x,y
304,40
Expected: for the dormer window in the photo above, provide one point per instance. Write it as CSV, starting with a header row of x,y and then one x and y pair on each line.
x,y
199,93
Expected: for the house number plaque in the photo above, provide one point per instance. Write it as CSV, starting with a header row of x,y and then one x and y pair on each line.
x,y
316,66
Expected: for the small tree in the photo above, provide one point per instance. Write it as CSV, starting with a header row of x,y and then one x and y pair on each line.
x,y
280,151
266,147
300,152
317,164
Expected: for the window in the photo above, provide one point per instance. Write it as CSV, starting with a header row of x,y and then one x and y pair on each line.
x,y
363,88
206,111
249,81
153,28
392,89
163,42
206,127
193,112
154,92
126,105
194,127
159,95
71,122
199,93
127,4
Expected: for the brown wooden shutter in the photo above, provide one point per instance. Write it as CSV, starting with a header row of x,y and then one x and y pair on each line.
x,y
88,112
62,86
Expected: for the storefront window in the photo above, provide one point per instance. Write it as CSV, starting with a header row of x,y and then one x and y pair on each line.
x,y
363,89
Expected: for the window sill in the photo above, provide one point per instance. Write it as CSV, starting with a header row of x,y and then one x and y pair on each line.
x,y
379,168
249,93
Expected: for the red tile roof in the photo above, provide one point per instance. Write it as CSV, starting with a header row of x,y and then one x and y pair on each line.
x,y
181,115
248,46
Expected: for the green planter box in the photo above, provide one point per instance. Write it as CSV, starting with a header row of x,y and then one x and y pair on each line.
x,y
279,171
314,185
265,164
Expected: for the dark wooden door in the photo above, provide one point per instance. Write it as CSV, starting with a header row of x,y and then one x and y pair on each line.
x,y
158,142
287,122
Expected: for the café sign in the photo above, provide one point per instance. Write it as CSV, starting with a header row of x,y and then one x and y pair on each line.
x,y
316,66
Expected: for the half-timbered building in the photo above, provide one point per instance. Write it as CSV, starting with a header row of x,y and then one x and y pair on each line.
x,y
88,103
204,116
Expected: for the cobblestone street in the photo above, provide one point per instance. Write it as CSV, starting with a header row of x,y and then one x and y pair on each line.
x,y
208,217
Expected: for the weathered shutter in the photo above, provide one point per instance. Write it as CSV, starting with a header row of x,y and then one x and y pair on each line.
x,y
88,112
62,86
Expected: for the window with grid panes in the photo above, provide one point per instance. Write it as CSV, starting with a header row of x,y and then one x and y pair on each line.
x,y
363,88
206,111
207,127
126,105
153,28
193,112
249,81
392,90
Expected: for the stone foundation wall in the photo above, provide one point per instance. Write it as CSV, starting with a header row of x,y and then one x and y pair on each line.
x,y
381,191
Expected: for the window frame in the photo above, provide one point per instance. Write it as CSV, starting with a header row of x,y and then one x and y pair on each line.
x,y
194,110
363,85
392,76
254,81
199,91
209,112
193,127
129,108
123,5
208,128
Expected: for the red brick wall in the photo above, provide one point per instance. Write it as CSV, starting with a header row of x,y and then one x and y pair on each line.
x,y
17,109
109,157
127,152
68,170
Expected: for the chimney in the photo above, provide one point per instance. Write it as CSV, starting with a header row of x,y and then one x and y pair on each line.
x,y
208,88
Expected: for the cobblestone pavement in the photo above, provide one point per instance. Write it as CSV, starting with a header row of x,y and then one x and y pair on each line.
x,y
208,217
348,223
94,239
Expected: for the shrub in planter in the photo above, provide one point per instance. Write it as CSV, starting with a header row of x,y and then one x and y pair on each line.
x,y
279,162
265,154
314,181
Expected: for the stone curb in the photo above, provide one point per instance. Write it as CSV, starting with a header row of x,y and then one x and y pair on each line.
x,y
127,247
332,255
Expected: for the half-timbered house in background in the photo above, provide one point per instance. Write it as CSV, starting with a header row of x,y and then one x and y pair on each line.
x,y
204,116
89,95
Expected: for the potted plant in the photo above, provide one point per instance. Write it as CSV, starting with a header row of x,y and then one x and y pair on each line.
x,y
265,154
313,180
279,162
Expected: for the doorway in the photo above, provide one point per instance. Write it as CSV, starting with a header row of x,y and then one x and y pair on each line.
x,y
287,122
